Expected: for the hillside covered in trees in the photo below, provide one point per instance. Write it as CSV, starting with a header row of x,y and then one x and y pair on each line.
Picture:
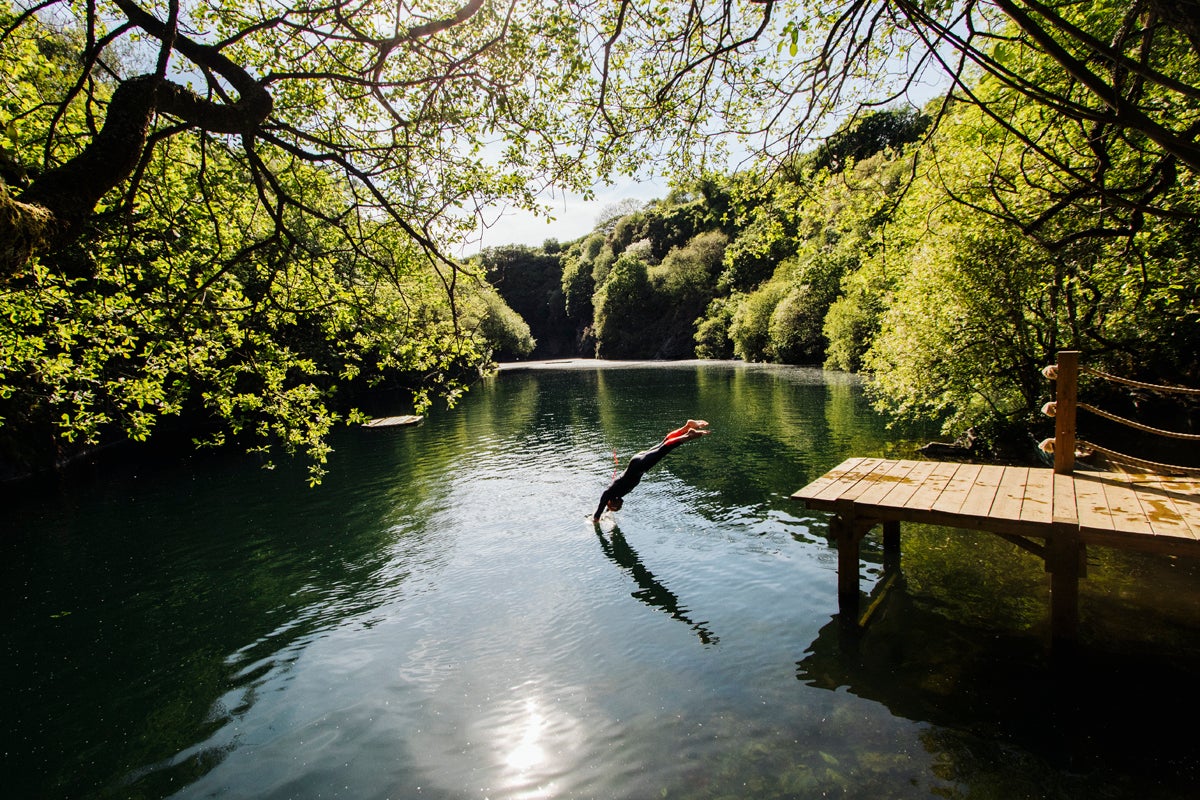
x,y
948,267
234,220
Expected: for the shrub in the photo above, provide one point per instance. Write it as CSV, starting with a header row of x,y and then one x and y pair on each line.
x,y
750,328
794,328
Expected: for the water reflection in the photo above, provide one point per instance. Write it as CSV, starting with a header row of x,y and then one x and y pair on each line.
x,y
652,593
1064,717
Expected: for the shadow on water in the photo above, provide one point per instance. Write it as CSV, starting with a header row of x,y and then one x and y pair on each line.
x,y
651,592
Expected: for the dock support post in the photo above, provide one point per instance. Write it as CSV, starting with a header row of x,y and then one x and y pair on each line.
x,y
891,544
1065,560
849,533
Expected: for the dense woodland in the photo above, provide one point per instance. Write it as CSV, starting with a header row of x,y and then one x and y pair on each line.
x,y
233,220
890,253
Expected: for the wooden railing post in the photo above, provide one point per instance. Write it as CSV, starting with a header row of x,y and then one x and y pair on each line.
x,y
1066,387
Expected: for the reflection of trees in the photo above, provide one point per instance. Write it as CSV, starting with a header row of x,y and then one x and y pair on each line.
x,y
1002,697
778,427
182,606
652,593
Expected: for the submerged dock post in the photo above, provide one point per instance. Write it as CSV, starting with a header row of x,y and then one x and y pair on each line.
x,y
891,544
847,572
1066,563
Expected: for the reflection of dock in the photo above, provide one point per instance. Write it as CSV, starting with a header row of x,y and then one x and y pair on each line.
x,y
1150,513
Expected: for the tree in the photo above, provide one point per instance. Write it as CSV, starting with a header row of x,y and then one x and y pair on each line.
x,y
354,141
399,101
530,281
247,251
863,137
623,305
976,304
612,213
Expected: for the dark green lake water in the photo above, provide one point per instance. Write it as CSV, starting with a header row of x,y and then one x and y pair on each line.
x,y
441,619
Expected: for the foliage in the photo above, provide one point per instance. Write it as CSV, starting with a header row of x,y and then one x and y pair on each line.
x,y
577,283
243,212
530,282
712,330
750,328
767,223
248,320
688,274
680,278
863,137
177,318
612,213
501,325
621,305
983,298
853,318
794,329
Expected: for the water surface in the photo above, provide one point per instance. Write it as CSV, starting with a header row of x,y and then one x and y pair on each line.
x,y
442,619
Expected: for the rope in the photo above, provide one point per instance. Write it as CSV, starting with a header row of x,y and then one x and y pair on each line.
x,y
1153,465
1139,384
1191,437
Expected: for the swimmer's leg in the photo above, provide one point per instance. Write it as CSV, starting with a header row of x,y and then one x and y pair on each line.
x,y
685,432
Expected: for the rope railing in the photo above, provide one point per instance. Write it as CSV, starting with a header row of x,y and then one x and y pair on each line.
x,y
1194,437
1065,374
1153,466
1154,387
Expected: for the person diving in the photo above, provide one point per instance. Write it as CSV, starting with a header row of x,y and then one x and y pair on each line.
x,y
613,496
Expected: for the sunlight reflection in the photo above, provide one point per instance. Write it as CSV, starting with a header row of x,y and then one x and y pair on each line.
x,y
531,746
528,752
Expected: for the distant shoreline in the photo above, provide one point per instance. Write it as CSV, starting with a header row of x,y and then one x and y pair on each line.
x,y
603,363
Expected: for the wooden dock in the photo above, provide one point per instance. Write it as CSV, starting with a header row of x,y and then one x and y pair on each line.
x,y
393,422
1051,514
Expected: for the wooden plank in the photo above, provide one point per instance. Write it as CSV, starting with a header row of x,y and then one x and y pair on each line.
x,y
828,479
392,422
1010,494
983,491
952,497
902,491
1090,503
1166,516
1123,505
870,485
1064,512
1038,504
847,480
1185,494
929,491
884,482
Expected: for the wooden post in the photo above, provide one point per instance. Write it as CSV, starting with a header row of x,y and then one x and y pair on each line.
x,y
1064,558
1066,386
891,544
848,537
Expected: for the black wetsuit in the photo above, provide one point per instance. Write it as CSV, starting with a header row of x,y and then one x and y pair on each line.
x,y
632,476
